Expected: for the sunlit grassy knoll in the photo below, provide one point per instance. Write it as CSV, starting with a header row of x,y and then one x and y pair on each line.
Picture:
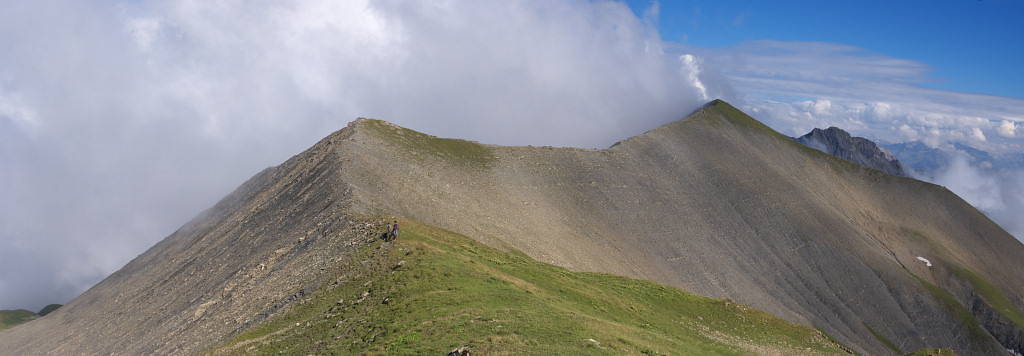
x,y
11,318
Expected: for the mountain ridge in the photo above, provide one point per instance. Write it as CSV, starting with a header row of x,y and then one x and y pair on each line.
x,y
570,176
717,204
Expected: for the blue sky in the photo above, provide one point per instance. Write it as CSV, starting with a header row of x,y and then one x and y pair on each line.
x,y
972,46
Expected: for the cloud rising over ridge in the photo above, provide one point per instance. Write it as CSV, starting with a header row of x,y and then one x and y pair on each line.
x,y
119,121
997,193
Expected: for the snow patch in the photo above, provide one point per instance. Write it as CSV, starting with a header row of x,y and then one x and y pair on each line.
x,y
925,260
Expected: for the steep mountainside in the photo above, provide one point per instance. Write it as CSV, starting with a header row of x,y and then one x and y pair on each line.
x,y
717,204
859,150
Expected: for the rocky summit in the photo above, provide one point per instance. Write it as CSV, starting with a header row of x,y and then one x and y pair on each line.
x,y
716,204
859,150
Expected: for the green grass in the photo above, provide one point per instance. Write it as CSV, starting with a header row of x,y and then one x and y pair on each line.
x,y
885,341
992,295
11,318
434,290
454,151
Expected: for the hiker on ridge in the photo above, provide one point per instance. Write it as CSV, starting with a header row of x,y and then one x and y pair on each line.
x,y
394,233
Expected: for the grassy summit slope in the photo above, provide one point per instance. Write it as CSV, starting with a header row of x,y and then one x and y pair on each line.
x,y
434,290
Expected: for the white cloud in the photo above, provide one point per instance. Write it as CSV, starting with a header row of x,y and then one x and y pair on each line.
x,y
972,184
691,70
977,135
821,107
1007,129
999,194
908,132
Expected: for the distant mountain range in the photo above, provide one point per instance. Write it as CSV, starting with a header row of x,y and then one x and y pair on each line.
x,y
500,241
928,159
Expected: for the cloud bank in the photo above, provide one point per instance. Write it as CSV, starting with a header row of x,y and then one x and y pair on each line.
x,y
119,121
997,193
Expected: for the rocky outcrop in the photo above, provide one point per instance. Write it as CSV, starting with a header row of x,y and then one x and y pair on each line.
x,y
460,351
859,150
1002,328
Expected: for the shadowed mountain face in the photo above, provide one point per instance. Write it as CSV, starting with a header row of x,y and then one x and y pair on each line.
x,y
717,204
859,150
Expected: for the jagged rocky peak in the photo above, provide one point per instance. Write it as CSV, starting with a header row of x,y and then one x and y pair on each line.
x,y
859,150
